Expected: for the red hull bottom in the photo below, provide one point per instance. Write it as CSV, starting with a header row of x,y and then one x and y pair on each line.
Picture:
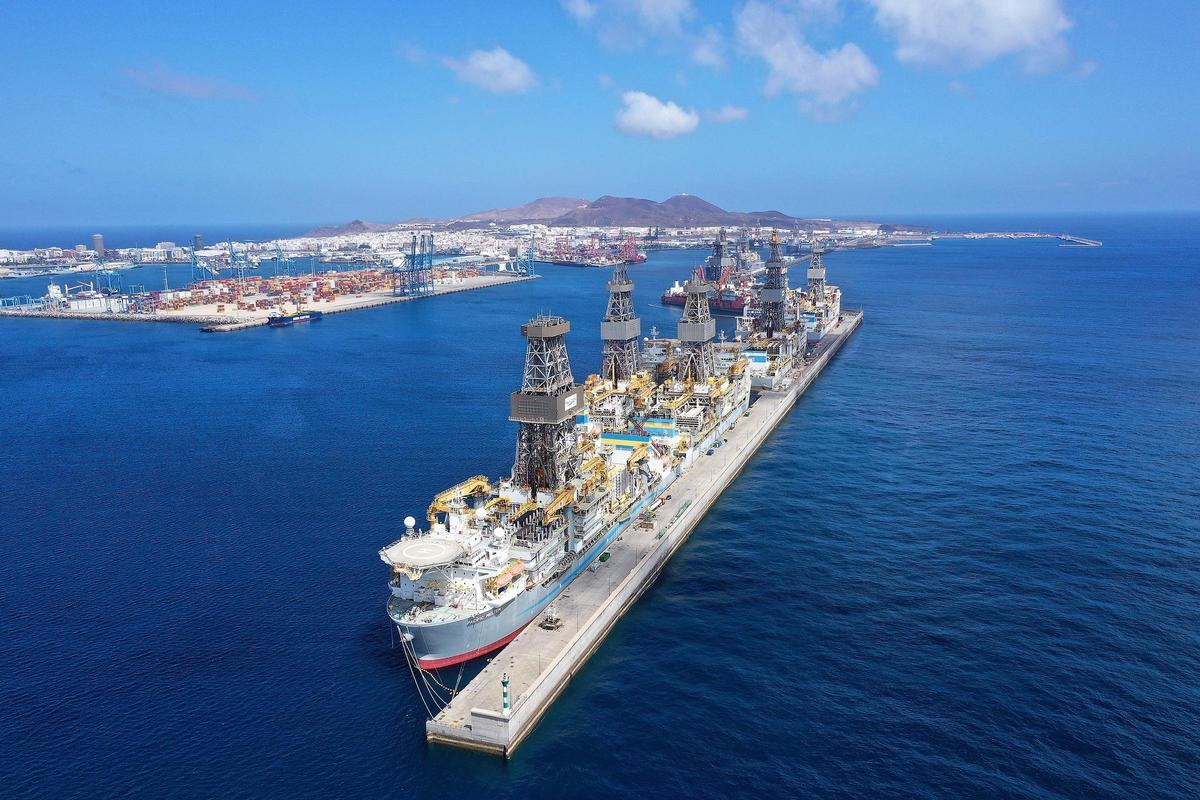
x,y
714,305
438,663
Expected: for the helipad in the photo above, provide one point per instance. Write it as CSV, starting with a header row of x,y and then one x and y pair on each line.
x,y
427,551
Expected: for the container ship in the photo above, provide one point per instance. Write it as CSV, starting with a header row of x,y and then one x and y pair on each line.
x,y
590,459
283,320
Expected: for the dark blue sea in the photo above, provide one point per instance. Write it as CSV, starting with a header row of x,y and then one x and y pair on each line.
x,y
967,565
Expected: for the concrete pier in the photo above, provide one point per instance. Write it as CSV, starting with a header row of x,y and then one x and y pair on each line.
x,y
540,663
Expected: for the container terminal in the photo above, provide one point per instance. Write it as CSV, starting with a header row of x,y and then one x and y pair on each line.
x,y
609,478
592,253
225,294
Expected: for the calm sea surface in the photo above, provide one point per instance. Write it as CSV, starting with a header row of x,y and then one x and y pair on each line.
x,y
967,565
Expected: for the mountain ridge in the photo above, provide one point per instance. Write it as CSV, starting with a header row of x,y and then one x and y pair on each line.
x,y
677,211
542,208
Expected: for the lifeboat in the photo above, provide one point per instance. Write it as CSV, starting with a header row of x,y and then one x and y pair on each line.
x,y
505,576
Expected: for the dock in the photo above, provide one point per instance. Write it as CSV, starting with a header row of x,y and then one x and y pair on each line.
x,y
213,322
469,285
1078,241
540,662
1068,240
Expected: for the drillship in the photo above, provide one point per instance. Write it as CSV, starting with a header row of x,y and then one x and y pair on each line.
x,y
814,309
589,459
729,272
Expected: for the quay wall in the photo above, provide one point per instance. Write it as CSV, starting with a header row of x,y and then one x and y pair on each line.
x,y
489,731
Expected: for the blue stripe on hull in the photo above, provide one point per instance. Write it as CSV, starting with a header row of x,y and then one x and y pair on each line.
x,y
449,639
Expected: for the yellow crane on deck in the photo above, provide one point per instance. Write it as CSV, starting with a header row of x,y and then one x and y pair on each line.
x,y
478,484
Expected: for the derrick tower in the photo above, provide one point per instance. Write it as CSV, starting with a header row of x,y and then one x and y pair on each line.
x,y
545,407
716,264
816,273
772,298
620,329
697,362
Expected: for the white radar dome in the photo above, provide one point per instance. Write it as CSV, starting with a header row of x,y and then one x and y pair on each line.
x,y
498,532
410,522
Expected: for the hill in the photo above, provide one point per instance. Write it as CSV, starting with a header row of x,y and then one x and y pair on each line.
x,y
680,211
540,210
355,226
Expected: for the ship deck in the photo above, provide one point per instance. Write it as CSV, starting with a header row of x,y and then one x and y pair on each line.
x,y
541,662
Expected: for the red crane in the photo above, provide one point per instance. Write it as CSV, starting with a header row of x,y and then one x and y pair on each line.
x,y
629,252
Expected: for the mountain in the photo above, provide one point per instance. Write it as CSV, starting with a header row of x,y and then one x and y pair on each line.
x,y
544,208
680,211
356,226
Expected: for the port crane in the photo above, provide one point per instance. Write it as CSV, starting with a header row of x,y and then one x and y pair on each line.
x,y
283,265
202,270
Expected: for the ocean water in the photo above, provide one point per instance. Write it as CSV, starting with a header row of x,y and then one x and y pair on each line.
x,y
967,565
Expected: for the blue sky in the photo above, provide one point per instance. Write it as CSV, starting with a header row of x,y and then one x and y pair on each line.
x,y
302,112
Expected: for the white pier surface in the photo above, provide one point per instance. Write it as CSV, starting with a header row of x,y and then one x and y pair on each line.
x,y
541,662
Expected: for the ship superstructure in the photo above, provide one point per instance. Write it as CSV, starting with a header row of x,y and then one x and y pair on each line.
x,y
589,459
820,306
722,261
773,344
777,331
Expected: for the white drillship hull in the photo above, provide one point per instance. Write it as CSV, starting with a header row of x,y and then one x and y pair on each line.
x,y
446,643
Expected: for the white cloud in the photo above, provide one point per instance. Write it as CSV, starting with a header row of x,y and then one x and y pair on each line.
x,y
162,79
726,114
1086,69
707,49
646,115
413,53
604,80
581,10
825,82
664,15
495,70
629,24
958,87
815,10
970,33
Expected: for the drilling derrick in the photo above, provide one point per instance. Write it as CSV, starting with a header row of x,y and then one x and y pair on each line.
x,y
697,361
620,329
772,298
816,274
715,266
545,407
